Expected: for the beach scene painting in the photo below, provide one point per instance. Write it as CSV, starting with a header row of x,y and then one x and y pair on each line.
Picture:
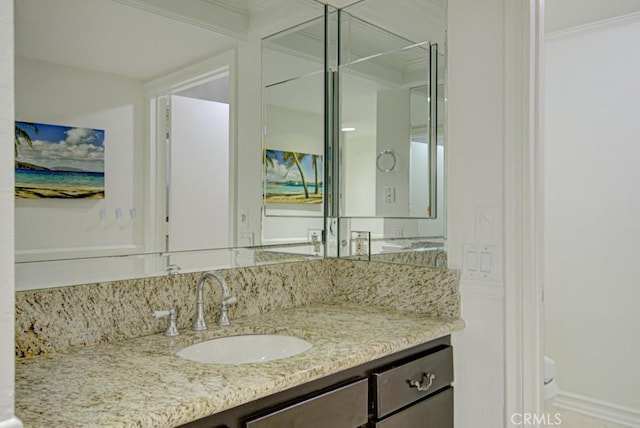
x,y
292,177
54,161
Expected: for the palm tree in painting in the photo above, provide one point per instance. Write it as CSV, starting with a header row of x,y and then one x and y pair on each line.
x,y
291,159
314,164
21,135
269,157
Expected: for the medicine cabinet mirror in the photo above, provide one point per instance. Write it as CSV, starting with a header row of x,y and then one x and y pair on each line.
x,y
380,97
293,141
390,141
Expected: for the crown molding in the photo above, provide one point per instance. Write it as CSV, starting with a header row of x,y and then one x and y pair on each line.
x,y
592,27
210,15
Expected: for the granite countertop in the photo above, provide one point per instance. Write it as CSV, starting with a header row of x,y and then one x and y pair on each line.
x,y
141,382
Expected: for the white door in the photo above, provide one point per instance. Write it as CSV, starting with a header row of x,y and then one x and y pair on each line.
x,y
198,197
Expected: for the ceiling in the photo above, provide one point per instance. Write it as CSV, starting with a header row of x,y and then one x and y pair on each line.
x,y
114,35
111,37
145,39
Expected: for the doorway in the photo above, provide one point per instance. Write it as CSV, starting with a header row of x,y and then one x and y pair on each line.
x,y
192,160
591,209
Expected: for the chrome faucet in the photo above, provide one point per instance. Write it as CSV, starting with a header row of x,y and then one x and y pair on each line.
x,y
199,323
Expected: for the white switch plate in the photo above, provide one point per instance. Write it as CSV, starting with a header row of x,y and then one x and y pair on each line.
x,y
246,239
312,232
480,261
389,195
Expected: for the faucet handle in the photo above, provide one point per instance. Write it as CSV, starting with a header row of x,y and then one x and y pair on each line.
x,y
173,269
172,328
224,318
231,300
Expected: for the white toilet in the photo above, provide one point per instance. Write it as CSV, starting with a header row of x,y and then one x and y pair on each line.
x,y
550,385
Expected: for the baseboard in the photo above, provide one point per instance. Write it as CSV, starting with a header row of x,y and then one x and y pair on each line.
x,y
598,409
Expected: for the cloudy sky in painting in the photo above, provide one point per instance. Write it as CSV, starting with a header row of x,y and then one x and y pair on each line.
x,y
60,147
280,173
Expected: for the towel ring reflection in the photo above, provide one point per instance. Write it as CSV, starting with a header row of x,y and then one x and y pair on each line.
x,y
386,154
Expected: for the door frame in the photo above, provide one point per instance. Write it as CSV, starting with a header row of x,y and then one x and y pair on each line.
x,y
524,215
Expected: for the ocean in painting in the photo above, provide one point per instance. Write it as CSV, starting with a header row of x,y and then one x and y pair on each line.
x,y
288,188
59,179
33,184
292,193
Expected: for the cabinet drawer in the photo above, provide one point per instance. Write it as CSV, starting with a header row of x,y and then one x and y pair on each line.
x,y
392,388
343,407
433,412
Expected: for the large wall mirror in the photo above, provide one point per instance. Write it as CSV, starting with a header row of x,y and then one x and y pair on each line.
x,y
182,189
160,81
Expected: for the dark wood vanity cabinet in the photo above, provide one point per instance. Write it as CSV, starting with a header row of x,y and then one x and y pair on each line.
x,y
433,412
345,406
409,389
410,393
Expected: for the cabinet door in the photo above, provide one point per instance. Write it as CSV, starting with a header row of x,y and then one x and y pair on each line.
x,y
343,407
433,412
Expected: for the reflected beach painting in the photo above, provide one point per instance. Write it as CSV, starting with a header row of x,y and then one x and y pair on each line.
x,y
292,177
54,161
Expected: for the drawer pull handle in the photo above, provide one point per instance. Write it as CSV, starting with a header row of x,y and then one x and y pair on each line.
x,y
427,381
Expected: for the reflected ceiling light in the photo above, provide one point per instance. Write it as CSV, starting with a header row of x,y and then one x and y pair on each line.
x,y
348,129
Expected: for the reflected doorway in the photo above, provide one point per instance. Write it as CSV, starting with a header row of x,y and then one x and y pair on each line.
x,y
194,182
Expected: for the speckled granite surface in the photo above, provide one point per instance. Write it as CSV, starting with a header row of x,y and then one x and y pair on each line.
x,y
59,319
142,383
85,364
427,291
434,258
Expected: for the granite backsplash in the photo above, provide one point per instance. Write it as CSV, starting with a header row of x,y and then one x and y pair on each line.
x,y
59,319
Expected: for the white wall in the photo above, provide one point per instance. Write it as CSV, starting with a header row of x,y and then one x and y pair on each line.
x,y
61,95
419,178
592,211
7,303
475,145
359,179
249,134
492,199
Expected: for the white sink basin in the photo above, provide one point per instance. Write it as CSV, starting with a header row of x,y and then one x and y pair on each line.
x,y
253,348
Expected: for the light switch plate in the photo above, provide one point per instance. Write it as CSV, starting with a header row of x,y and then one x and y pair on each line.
x,y
480,261
243,218
486,224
